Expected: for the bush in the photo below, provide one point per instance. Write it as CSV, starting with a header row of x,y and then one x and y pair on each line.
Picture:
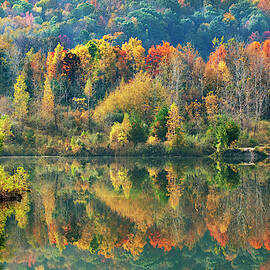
x,y
252,142
119,134
29,137
111,118
92,140
157,149
13,183
243,140
225,131
159,127
139,131
76,145
232,130
199,144
177,141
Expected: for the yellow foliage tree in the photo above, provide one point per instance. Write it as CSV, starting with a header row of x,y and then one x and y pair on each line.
x,y
3,44
21,98
135,244
85,59
18,182
106,64
175,137
227,17
223,71
119,177
216,70
119,134
88,91
141,95
211,104
5,127
135,53
54,60
47,101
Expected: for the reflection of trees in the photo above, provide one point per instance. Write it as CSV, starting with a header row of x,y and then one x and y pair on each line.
x,y
19,209
137,210
117,211
119,178
174,187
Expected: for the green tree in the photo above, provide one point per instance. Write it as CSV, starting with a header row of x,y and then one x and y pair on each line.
x,y
225,132
159,127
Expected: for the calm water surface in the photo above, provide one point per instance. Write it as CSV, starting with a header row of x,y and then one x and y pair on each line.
x,y
137,214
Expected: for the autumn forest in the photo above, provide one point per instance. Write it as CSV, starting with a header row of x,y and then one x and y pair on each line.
x,y
133,77
134,134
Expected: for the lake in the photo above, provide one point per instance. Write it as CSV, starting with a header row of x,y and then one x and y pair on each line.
x,y
107,213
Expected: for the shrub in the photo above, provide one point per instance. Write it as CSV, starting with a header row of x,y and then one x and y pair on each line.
x,y
199,144
76,145
177,141
114,117
16,182
29,137
232,130
119,134
159,127
149,149
92,140
225,131
139,131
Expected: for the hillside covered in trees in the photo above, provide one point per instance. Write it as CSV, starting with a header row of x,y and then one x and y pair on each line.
x,y
133,77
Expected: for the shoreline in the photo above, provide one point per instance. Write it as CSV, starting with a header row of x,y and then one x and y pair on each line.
x,y
237,155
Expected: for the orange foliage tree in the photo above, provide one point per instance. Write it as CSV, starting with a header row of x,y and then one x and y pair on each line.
x,y
216,70
264,5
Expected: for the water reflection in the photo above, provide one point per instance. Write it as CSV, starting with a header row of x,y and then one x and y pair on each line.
x,y
138,214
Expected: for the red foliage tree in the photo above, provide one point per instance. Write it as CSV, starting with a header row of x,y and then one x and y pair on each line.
x,y
122,66
156,55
